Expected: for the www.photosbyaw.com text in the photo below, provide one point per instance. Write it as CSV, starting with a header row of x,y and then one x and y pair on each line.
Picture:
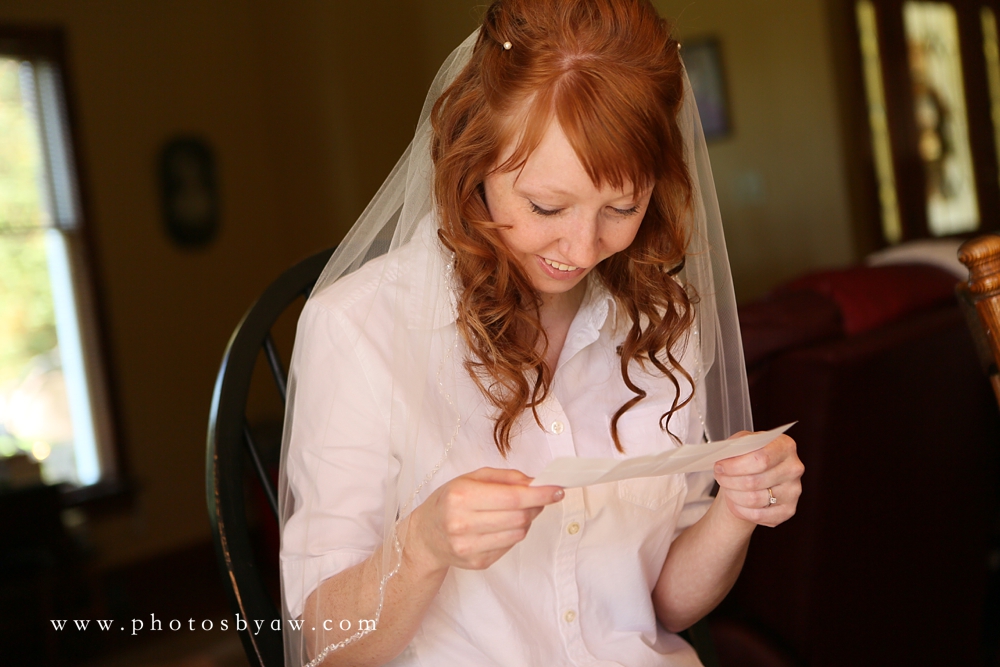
x,y
137,625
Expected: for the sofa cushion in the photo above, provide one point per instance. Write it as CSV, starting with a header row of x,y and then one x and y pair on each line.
x,y
872,296
785,320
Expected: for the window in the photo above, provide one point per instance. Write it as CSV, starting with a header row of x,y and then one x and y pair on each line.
x,y
991,50
932,84
54,404
881,148
941,116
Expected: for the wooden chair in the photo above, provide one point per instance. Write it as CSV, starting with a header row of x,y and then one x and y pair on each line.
x,y
231,444
980,298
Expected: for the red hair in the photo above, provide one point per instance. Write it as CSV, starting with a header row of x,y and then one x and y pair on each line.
x,y
609,72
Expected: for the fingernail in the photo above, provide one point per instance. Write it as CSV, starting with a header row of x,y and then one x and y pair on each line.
x,y
559,494
718,469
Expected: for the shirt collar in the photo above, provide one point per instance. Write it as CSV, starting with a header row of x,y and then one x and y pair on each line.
x,y
597,308
598,304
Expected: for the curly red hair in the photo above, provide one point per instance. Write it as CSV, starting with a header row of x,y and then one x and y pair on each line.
x,y
609,72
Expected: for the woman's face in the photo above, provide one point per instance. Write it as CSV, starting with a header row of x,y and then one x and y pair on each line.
x,y
558,224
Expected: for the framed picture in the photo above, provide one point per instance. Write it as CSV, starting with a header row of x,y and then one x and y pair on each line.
x,y
939,107
188,190
703,60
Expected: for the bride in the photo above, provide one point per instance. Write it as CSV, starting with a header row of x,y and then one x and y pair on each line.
x,y
542,275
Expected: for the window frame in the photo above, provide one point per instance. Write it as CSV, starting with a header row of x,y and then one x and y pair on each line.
x,y
907,164
114,488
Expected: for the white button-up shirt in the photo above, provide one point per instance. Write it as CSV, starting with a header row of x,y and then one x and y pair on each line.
x,y
577,589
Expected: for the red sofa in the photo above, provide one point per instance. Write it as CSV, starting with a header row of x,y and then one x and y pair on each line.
x,y
887,561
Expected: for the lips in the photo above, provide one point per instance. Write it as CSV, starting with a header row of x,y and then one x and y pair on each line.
x,y
558,270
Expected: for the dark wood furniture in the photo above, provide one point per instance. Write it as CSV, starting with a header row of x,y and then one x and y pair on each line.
x,y
982,293
231,444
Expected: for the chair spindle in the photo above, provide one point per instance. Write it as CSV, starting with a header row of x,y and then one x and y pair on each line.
x,y
265,480
277,369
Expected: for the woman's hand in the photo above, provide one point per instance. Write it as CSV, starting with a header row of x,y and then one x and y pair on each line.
x,y
744,482
474,519
704,560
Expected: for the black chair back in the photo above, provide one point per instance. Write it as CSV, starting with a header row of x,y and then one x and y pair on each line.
x,y
231,443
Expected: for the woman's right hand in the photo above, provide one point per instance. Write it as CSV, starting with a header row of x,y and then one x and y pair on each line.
x,y
473,520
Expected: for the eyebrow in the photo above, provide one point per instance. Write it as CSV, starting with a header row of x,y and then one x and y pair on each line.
x,y
558,192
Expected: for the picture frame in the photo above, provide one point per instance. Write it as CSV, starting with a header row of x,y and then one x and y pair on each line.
x,y
703,60
189,191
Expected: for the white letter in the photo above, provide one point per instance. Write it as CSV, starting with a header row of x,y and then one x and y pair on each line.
x,y
342,625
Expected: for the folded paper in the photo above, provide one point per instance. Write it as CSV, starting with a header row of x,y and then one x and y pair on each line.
x,y
570,472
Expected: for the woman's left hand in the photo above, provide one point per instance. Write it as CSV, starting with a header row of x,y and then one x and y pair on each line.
x,y
748,482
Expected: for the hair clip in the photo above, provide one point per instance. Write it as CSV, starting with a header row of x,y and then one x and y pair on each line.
x,y
506,46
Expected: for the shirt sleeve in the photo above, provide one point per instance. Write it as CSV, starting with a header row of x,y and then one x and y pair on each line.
x,y
337,464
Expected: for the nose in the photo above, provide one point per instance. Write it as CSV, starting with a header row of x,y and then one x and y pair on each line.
x,y
580,240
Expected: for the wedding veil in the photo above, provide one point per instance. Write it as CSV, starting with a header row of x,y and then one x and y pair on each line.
x,y
399,216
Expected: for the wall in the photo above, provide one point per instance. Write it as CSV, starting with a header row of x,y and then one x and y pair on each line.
x,y
345,83
142,72
779,176
308,104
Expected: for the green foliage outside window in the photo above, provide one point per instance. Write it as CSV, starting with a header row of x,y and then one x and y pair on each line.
x,y
27,318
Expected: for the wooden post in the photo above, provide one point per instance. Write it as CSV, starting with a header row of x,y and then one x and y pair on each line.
x,y
982,257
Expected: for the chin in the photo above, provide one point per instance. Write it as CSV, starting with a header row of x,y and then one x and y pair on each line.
x,y
546,285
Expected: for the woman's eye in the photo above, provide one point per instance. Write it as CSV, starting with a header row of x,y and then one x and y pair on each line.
x,y
535,208
627,211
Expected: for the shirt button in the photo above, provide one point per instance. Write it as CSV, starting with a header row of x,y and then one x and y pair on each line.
x,y
557,427
570,616
573,528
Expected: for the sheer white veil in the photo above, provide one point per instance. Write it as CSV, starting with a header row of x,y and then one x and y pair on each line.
x,y
422,387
